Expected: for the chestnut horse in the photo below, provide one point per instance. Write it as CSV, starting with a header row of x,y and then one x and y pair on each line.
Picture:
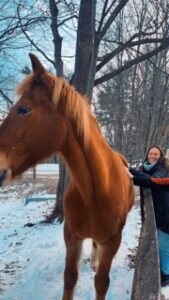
x,y
51,117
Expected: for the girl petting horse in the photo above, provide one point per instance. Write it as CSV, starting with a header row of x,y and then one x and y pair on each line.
x,y
50,117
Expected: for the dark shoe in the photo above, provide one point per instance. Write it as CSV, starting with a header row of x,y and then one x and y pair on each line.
x,y
164,279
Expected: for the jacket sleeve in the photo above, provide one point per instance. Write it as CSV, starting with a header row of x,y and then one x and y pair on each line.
x,y
140,178
135,172
152,183
145,180
164,181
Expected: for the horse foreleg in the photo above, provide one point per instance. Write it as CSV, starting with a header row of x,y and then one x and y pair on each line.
x,y
73,249
107,252
95,256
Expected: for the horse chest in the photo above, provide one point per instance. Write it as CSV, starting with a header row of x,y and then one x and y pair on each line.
x,y
88,223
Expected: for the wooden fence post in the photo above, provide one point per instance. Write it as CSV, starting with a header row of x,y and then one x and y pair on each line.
x,y
146,282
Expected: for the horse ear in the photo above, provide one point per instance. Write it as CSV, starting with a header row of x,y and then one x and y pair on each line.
x,y
37,67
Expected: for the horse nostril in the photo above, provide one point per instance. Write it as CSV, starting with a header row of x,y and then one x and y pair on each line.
x,y
3,175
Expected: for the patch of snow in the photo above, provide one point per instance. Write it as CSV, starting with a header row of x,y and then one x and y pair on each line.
x,y
165,292
45,169
32,259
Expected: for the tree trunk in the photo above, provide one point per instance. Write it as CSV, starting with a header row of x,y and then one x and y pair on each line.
x,y
58,212
84,46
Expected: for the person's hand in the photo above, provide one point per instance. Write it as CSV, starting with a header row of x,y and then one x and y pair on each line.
x,y
130,175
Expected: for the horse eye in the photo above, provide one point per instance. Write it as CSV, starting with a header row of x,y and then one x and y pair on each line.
x,y
23,110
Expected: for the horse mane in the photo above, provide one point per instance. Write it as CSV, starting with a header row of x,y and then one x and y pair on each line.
x,y
76,106
73,105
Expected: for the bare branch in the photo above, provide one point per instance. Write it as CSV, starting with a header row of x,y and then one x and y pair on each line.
x,y
6,97
119,7
31,41
132,62
128,44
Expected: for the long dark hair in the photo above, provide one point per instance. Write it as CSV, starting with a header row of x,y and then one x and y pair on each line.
x,y
163,161
157,147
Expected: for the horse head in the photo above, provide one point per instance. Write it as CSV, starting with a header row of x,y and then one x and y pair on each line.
x,y
34,128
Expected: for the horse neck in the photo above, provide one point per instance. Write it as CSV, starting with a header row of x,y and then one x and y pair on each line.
x,y
90,164
83,154
73,154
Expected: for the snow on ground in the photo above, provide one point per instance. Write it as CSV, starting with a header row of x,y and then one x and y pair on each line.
x,y
165,293
32,258
45,169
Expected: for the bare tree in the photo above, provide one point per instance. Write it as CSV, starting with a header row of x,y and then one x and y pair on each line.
x,y
145,97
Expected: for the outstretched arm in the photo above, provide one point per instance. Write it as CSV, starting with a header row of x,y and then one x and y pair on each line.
x,y
145,180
